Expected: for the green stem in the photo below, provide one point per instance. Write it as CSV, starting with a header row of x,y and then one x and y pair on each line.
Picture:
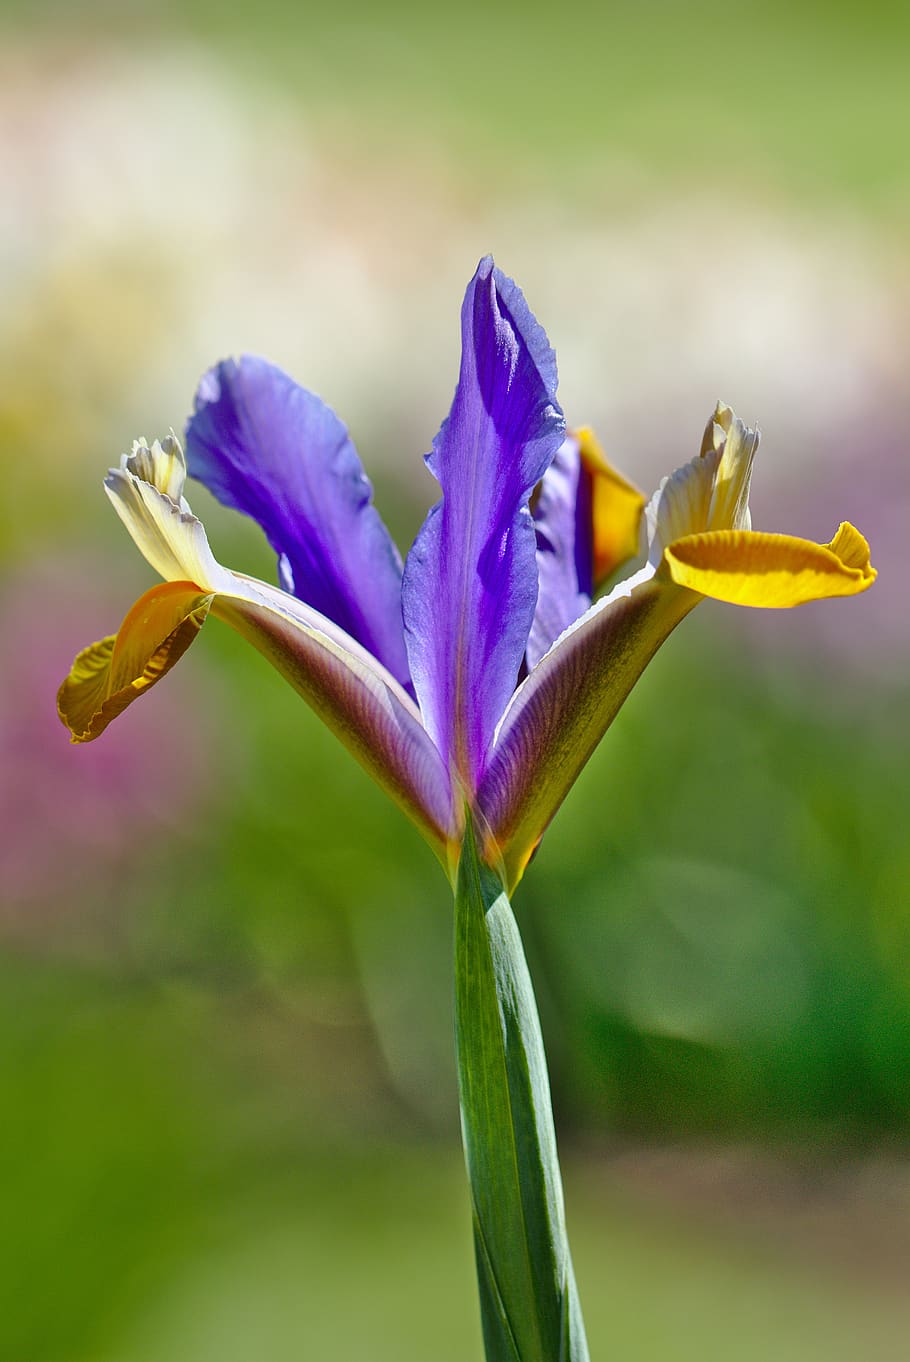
x,y
528,1298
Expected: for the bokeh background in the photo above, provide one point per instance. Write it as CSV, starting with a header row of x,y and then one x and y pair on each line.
x,y
228,1126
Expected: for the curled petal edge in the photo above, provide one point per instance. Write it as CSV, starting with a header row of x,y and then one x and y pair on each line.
x,y
109,675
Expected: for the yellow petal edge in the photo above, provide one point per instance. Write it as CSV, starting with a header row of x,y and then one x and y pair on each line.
x,y
770,571
109,675
616,509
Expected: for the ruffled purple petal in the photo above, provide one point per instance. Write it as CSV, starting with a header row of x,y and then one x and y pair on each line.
x,y
265,446
470,581
565,548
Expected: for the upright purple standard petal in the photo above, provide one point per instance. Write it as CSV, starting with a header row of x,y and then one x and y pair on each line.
x,y
470,581
266,446
565,548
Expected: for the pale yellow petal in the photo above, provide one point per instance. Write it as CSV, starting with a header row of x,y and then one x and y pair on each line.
x,y
709,493
165,531
681,503
716,429
729,508
770,570
162,464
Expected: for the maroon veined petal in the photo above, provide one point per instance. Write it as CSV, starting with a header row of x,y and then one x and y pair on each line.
x,y
563,708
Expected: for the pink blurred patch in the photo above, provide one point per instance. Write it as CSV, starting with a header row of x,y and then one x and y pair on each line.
x,y
75,819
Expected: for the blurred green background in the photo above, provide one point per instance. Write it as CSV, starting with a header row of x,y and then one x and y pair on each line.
x,y
228,1125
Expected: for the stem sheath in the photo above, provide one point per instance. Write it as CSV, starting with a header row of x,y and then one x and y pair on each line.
x,y
528,1298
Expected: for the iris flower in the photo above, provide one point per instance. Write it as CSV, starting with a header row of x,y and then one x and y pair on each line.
x,y
473,681
478,675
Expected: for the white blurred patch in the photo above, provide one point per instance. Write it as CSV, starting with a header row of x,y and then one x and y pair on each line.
x,y
347,266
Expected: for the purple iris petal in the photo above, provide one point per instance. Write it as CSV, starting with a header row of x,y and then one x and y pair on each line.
x,y
266,446
565,548
470,581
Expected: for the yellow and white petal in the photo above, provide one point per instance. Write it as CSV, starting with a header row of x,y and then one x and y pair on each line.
x,y
163,528
163,464
108,676
681,504
737,444
770,570
709,493
617,507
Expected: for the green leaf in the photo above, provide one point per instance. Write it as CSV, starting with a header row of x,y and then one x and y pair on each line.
x,y
529,1303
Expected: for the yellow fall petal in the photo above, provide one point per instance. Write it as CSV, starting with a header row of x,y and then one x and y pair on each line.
x,y
109,675
744,567
616,508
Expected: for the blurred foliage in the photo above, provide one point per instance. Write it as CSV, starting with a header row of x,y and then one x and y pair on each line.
x,y
730,857
107,1155
808,96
